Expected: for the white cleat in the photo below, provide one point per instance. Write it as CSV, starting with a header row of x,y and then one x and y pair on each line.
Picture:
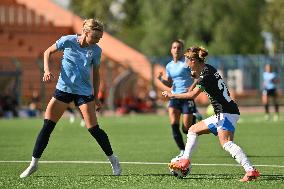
x,y
30,170
72,119
276,118
82,123
116,169
267,117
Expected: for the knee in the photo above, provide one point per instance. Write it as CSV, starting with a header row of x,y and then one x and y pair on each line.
x,y
94,127
175,126
174,121
192,130
191,134
226,145
91,123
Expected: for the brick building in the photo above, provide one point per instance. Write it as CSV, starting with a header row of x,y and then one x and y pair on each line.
x,y
28,27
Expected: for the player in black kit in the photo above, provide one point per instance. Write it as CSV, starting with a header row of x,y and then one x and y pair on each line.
x,y
222,124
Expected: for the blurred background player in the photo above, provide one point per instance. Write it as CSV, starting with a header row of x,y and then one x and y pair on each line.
x,y
270,81
177,78
81,57
222,124
34,105
72,116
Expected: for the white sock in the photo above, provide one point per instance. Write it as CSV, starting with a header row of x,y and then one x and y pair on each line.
x,y
191,144
111,158
34,161
238,154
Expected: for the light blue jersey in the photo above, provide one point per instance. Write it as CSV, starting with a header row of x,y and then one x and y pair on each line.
x,y
76,65
179,72
268,80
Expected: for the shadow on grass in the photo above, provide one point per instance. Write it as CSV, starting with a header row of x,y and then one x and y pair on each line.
x,y
271,156
46,176
272,177
213,176
232,176
252,156
190,177
127,175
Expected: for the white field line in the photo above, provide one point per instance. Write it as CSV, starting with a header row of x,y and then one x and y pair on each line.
x,y
138,163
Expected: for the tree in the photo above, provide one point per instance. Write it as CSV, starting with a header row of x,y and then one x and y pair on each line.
x,y
97,9
163,22
222,26
227,27
272,21
131,26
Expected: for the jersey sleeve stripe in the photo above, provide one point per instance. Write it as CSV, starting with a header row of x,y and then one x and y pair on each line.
x,y
200,87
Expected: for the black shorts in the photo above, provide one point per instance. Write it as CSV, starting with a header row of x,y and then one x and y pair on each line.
x,y
184,105
269,92
69,97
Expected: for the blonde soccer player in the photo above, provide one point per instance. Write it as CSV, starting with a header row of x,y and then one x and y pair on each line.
x,y
81,57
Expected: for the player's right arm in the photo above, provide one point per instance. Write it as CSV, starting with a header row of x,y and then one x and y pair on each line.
x,y
47,76
188,95
167,82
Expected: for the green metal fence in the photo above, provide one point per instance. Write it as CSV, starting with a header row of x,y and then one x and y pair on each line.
x,y
242,72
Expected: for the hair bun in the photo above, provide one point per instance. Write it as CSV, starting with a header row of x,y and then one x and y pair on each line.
x,y
202,53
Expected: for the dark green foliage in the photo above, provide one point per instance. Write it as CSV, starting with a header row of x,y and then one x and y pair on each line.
x,y
222,26
96,9
272,22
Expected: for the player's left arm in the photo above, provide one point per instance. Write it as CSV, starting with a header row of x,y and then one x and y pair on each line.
x,y
189,95
193,85
276,80
96,84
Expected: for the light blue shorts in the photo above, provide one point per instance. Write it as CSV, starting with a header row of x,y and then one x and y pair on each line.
x,y
222,121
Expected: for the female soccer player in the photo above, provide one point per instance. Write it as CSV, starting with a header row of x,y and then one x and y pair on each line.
x,y
269,90
177,79
226,113
81,56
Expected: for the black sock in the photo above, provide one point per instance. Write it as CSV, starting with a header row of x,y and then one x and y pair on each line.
x,y
266,106
277,108
177,136
102,139
184,129
43,137
193,120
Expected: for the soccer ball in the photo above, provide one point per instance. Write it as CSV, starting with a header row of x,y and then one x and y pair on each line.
x,y
210,110
179,173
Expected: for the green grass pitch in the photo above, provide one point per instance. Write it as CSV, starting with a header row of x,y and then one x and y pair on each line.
x,y
73,159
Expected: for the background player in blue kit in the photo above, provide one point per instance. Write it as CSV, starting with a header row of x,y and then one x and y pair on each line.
x,y
177,79
81,57
270,81
222,124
